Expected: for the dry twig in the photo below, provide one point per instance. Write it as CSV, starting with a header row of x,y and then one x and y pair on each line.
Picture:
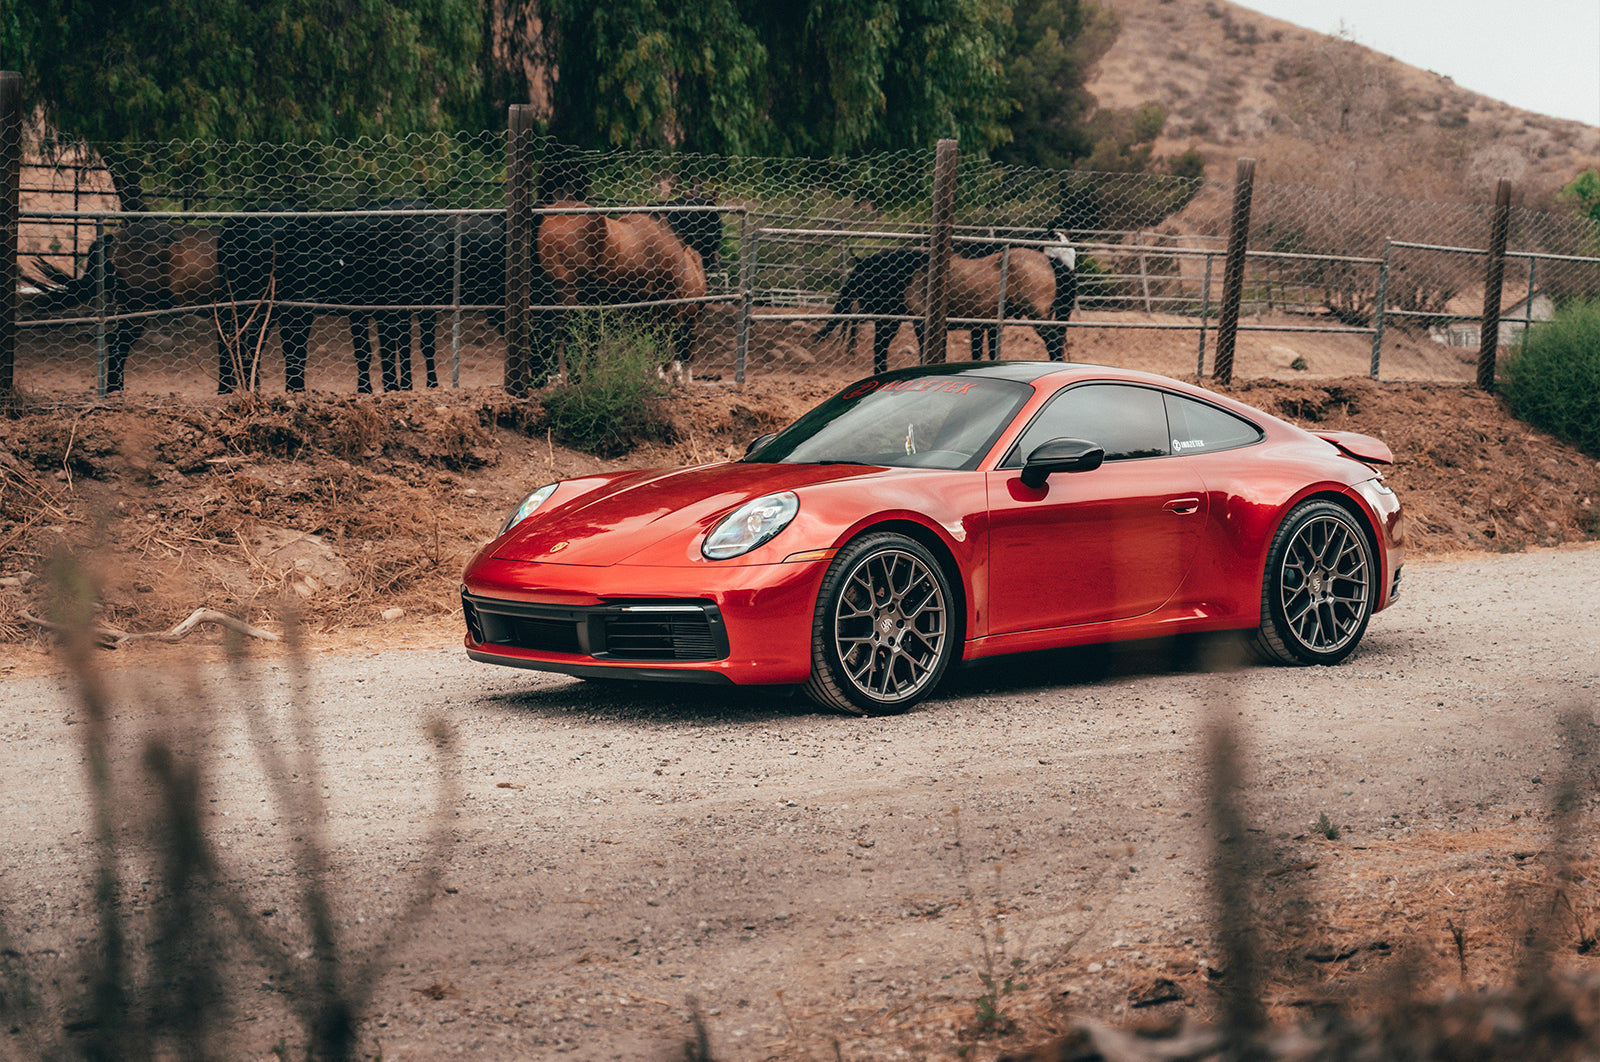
x,y
112,638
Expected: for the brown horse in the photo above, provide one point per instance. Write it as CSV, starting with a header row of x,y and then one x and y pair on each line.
x,y
148,264
594,260
1039,285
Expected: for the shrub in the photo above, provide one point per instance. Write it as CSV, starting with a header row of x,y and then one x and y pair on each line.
x,y
608,402
1552,378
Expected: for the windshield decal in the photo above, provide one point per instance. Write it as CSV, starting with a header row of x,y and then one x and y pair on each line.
x,y
931,383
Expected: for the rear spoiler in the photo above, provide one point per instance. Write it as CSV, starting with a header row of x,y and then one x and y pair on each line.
x,y
1361,447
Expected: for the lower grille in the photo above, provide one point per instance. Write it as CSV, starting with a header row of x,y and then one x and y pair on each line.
x,y
543,635
642,637
635,631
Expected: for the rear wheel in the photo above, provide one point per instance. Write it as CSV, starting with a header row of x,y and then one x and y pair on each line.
x,y
1319,588
882,634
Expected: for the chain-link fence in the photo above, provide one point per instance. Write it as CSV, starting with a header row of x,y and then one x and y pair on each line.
x,y
273,266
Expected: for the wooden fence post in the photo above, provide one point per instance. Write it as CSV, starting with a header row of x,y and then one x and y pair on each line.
x,y
10,208
519,249
940,240
1233,271
1493,281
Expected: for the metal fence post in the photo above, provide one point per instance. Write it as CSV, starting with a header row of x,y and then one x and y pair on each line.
x,y
102,354
1205,312
519,248
1380,306
10,234
1233,271
1527,305
1144,269
1494,279
1000,309
455,301
747,279
940,239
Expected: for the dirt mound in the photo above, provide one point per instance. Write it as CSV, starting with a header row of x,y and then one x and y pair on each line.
x,y
342,509
1472,476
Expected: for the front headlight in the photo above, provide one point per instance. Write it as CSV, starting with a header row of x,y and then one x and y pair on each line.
x,y
529,504
750,525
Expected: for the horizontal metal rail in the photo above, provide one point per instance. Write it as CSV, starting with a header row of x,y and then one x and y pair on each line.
x,y
367,212
341,310
1541,256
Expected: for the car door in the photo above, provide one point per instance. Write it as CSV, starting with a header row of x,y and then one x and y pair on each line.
x,y
1097,546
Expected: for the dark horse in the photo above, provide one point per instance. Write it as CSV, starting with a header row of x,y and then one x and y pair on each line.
x,y
358,266
148,264
878,284
595,260
892,284
1038,284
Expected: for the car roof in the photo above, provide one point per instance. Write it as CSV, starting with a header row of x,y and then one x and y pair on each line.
x,y
1025,371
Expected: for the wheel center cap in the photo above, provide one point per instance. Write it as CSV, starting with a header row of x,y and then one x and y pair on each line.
x,y
886,624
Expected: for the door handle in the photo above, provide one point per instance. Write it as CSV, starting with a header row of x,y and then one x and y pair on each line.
x,y
1183,506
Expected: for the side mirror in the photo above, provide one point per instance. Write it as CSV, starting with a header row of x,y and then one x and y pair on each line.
x,y
759,442
1060,455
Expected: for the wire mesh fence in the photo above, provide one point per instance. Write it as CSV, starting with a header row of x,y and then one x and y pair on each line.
x,y
287,266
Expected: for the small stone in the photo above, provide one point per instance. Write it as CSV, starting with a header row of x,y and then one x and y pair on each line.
x,y
392,614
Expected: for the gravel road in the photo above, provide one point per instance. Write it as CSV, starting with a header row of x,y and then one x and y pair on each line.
x,y
803,878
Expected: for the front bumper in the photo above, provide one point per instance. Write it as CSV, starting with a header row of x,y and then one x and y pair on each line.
x,y
647,623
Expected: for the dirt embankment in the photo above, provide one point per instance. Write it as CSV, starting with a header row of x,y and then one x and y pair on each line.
x,y
344,509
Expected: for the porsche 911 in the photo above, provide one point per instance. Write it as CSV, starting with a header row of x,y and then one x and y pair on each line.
x,y
943,514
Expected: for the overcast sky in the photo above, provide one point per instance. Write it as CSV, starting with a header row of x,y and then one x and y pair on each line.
x,y
1540,55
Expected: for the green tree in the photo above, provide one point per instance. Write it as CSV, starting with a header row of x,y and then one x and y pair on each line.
x,y
1584,194
818,77
1053,47
117,74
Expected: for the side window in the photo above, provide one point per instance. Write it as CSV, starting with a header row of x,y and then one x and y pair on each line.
x,y
1201,428
1127,421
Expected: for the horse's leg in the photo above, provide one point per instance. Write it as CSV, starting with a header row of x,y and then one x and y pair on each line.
x,y
394,349
683,338
428,335
294,332
1055,340
232,333
123,335
882,335
361,345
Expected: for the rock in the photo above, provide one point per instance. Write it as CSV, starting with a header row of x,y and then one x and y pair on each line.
x,y
392,614
309,556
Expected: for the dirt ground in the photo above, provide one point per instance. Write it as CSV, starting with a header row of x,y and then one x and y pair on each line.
x,y
823,888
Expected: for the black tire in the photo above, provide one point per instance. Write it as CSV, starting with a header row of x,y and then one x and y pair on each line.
x,y
1319,589
883,631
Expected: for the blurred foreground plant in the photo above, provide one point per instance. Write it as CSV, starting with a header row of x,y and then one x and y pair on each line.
x,y
164,983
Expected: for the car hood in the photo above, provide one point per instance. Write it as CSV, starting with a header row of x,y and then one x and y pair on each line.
x,y
607,520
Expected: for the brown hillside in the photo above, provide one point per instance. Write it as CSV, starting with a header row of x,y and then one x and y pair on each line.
x,y
1315,109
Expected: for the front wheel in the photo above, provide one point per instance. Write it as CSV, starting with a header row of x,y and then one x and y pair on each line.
x,y
1319,588
882,634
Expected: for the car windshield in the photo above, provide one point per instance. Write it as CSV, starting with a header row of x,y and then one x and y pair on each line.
x,y
934,421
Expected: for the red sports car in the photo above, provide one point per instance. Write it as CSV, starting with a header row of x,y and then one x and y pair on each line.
x,y
945,513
